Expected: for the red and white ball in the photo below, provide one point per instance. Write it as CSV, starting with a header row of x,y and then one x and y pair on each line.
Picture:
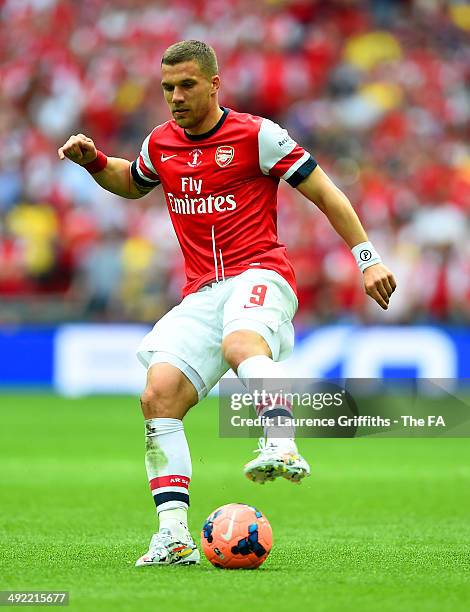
x,y
236,536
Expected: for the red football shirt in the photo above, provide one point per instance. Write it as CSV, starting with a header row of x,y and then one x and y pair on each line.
x,y
221,192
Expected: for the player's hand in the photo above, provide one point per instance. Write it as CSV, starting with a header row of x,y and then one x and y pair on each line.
x,y
80,149
379,284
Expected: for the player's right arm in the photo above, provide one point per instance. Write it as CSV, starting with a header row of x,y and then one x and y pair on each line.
x,y
117,175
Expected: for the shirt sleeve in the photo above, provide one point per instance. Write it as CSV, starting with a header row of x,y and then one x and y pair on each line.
x,y
282,157
142,169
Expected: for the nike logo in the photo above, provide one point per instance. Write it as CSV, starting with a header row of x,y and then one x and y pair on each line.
x,y
228,535
251,306
165,158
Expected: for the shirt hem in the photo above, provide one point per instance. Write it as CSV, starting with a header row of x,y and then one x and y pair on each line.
x,y
209,279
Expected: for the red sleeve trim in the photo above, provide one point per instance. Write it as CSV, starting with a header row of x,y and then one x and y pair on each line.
x,y
284,164
145,171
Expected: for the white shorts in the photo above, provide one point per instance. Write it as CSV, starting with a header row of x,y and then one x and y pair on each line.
x,y
190,335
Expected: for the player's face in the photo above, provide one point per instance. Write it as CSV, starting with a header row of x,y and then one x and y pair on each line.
x,y
189,93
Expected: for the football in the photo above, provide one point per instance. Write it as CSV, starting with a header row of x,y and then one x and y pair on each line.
x,y
236,536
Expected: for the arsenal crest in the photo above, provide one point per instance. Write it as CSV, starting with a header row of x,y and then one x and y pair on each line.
x,y
224,155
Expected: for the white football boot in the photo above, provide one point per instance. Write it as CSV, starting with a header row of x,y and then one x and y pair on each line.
x,y
277,458
165,549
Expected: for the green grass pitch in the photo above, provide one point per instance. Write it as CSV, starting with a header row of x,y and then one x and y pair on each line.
x,y
381,524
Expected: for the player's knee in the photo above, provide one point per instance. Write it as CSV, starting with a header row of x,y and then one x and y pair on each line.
x,y
167,395
157,400
242,344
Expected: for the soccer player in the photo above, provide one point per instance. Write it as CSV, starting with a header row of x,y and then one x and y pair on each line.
x,y
220,171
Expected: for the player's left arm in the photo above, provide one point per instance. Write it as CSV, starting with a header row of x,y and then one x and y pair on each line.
x,y
379,282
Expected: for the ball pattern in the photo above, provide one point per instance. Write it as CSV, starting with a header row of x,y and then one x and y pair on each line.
x,y
236,536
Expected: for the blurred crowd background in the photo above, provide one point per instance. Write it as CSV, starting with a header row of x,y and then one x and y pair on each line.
x,y
378,92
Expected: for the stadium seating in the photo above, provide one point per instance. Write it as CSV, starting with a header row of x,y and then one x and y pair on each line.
x,y
375,90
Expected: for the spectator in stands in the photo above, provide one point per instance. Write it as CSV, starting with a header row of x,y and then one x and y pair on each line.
x,y
378,91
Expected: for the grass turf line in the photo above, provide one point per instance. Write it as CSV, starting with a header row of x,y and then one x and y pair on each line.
x,y
381,522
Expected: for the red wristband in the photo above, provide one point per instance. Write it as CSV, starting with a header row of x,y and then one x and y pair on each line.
x,y
98,164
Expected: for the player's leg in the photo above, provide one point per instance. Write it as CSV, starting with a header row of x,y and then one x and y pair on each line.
x,y
254,340
183,358
167,397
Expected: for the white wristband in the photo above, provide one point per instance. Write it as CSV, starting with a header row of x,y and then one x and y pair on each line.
x,y
365,255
